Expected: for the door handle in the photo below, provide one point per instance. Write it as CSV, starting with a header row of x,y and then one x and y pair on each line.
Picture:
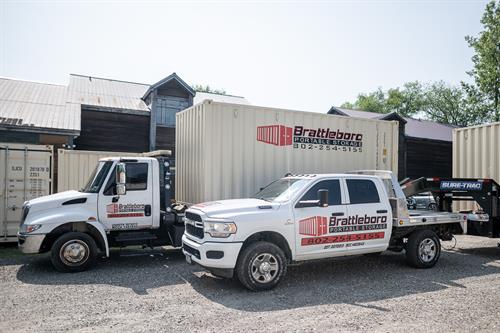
x,y
382,211
338,214
147,210
115,198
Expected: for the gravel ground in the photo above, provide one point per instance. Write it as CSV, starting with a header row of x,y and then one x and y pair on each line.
x,y
155,291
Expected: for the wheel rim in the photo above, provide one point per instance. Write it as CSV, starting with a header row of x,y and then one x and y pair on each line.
x,y
74,252
265,268
427,250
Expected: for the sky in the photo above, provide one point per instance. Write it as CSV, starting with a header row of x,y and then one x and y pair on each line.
x,y
303,55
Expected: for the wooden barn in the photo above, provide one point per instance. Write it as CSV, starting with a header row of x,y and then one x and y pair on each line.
x,y
425,147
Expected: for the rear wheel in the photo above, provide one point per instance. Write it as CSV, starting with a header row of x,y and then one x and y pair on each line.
x,y
73,252
261,266
423,249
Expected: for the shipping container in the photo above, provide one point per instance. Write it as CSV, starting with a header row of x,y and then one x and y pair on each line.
x,y
230,151
75,166
476,154
25,173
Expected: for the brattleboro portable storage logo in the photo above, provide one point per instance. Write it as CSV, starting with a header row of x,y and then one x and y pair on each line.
x,y
316,228
124,210
310,138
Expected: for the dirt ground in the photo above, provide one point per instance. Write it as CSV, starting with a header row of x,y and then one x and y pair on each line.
x,y
155,290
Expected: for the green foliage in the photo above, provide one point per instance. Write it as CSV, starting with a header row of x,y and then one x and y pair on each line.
x,y
208,89
486,72
449,104
406,101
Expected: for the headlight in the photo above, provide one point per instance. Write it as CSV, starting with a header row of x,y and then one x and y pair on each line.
x,y
29,228
220,229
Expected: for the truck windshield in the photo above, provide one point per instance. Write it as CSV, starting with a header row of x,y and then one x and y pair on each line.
x,y
281,190
97,177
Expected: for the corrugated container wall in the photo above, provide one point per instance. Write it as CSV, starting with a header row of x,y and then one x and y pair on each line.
x,y
230,151
75,166
476,154
25,173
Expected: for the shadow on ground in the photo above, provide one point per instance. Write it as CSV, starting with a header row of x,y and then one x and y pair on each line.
x,y
139,270
355,280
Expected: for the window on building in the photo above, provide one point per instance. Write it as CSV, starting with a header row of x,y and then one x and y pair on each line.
x,y
333,187
166,107
362,191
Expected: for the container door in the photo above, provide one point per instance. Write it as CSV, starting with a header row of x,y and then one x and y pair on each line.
x,y
369,217
314,234
134,209
25,175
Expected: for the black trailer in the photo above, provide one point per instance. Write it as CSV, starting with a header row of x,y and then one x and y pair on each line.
x,y
485,192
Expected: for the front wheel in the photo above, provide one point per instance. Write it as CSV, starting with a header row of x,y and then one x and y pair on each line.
x,y
73,252
261,266
423,249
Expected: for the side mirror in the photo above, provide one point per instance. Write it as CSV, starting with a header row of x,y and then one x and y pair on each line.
x,y
121,179
323,198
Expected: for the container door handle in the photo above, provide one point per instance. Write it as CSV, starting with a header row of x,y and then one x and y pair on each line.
x,y
147,210
382,211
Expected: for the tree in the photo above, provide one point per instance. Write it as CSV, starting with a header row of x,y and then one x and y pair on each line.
x,y
407,101
372,102
447,104
486,72
208,89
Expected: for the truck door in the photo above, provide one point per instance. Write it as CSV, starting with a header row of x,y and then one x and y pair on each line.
x,y
132,210
314,237
369,215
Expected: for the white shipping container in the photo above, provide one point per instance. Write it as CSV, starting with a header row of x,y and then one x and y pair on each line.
x,y
25,173
75,166
230,151
476,154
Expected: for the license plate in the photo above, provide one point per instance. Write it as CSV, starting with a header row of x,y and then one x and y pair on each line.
x,y
188,259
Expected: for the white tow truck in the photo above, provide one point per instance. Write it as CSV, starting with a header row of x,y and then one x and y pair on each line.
x,y
127,201
309,217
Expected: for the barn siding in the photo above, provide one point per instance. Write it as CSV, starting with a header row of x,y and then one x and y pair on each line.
x,y
165,138
110,131
428,158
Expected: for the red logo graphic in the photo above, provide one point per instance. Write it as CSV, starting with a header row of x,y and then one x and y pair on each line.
x,y
313,226
112,208
277,135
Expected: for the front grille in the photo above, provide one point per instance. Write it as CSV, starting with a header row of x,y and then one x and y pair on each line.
x,y
194,230
193,217
191,251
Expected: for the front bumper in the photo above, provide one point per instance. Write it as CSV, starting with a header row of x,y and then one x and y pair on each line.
x,y
228,261
29,243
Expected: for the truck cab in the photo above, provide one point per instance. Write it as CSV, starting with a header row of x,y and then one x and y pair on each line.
x,y
308,217
126,201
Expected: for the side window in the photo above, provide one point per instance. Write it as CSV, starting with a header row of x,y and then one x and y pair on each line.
x,y
137,178
333,187
362,191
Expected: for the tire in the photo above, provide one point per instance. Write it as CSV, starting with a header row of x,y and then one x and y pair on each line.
x,y
423,249
83,256
254,268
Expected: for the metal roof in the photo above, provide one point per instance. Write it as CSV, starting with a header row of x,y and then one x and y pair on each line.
x,y
43,107
107,93
40,106
201,96
416,128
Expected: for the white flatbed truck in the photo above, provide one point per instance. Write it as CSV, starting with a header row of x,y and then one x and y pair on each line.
x,y
308,217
